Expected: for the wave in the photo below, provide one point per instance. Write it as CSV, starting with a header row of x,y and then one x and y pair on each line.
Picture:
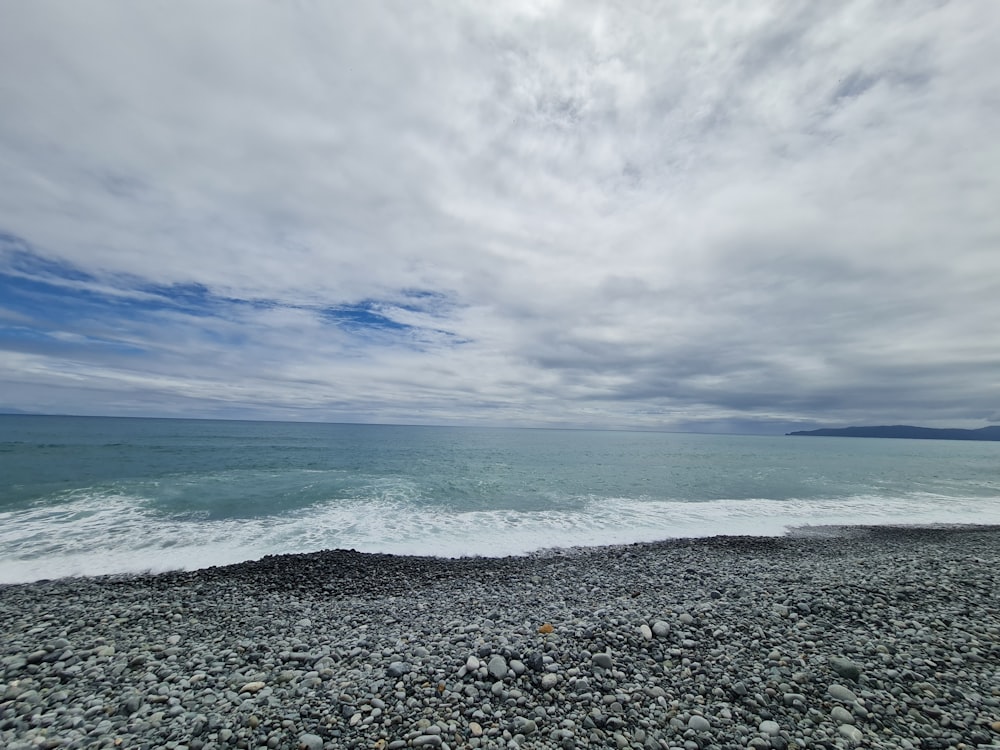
x,y
99,534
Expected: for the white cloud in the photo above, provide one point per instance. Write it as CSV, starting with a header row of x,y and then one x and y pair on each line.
x,y
646,214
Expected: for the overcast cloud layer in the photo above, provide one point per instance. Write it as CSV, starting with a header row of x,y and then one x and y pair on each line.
x,y
712,216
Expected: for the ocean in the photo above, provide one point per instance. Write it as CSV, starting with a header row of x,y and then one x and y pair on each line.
x,y
89,495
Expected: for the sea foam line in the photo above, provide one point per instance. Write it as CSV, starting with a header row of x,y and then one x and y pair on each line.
x,y
101,533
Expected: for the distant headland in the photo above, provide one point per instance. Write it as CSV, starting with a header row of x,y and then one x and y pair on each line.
x,y
905,431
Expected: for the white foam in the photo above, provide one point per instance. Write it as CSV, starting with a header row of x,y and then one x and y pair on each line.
x,y
94,535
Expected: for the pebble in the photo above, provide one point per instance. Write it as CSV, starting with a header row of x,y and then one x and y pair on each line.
x,y
846,668
397,669
699,723
842,693
426,740
341,649
602,660
768,727
841,715
497,667
851,732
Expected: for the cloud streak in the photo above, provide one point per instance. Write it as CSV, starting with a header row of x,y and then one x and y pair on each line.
x,y
652,216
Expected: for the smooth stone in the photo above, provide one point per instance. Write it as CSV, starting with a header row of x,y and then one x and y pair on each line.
x,y
310,742
699,723
472,663
645,632
252,687
660,629
850,732
841,715
535,662
475,729
845,668
497,667
602,660
426,740
770,728
397,669
842,693
549,680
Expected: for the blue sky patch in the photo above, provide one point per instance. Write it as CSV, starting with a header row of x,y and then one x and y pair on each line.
x,y
41,298
365,315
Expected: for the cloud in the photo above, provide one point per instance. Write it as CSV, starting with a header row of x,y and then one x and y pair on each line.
x,y
542,213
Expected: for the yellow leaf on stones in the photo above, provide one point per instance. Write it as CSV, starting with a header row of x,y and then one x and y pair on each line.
x,y
546,629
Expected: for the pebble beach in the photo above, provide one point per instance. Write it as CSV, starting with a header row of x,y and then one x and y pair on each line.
x,y
881,637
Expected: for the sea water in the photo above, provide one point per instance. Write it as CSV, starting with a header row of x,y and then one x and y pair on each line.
x,y
86,495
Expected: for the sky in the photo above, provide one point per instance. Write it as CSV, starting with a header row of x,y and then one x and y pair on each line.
x,y
718,217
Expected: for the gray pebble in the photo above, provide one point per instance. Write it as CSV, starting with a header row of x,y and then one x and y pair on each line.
x,y
842,693
602,660
699,723
497,667
852,733
841,715
845,668
397,669
163,660
768,727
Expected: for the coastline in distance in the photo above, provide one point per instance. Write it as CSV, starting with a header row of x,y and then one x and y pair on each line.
x,y
905,431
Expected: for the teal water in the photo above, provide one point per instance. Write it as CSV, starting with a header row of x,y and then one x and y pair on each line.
x,y
97,495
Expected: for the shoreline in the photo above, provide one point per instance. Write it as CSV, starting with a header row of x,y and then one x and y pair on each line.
x,y
352,558
884,636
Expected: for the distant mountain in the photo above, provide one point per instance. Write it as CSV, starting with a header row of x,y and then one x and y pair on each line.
x,y
905,431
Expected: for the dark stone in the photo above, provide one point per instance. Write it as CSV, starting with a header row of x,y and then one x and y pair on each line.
x,y
534,662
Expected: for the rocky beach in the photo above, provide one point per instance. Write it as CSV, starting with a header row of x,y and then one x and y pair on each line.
x,y
882,637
